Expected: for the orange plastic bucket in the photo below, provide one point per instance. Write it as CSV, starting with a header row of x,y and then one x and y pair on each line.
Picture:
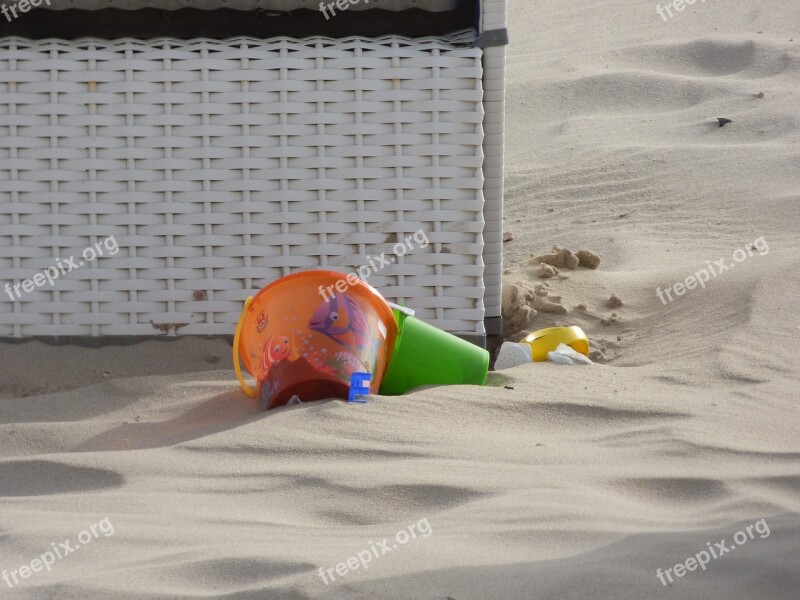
x,y
305,334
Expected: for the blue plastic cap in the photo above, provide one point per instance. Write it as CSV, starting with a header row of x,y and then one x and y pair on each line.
x,y
359,386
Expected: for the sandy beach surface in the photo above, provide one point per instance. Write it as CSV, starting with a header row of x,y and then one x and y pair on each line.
x,y
152,476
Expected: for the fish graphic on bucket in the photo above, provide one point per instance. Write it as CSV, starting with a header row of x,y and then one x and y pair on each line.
x,y
295,342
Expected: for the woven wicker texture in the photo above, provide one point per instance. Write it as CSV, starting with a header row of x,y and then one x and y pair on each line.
x,y
493,14
493,17
219,166
276,5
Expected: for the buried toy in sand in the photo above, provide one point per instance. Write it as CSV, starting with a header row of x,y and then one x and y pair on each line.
x,y
314,334
562,345
296,341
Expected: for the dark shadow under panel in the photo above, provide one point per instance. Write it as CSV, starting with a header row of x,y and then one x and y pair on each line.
x,y
189,23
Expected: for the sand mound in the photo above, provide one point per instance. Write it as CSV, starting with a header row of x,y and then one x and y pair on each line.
x,y
560,257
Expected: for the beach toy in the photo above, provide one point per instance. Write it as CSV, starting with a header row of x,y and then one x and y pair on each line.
x,y
425,355
359,386
546,340
512,355
565,355
306,334
553,344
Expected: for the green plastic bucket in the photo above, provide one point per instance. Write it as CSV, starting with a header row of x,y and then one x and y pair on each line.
x,y
426,355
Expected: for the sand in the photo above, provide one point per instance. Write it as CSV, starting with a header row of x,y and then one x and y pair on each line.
x,y
552,481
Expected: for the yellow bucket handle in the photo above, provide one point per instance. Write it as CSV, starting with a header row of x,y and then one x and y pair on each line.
x,y
236,365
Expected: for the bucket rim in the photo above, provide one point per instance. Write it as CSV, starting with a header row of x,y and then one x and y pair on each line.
x,y
385,312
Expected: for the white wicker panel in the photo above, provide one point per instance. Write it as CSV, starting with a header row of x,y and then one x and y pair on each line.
x,y
276,5
493,147
219,166
493,14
